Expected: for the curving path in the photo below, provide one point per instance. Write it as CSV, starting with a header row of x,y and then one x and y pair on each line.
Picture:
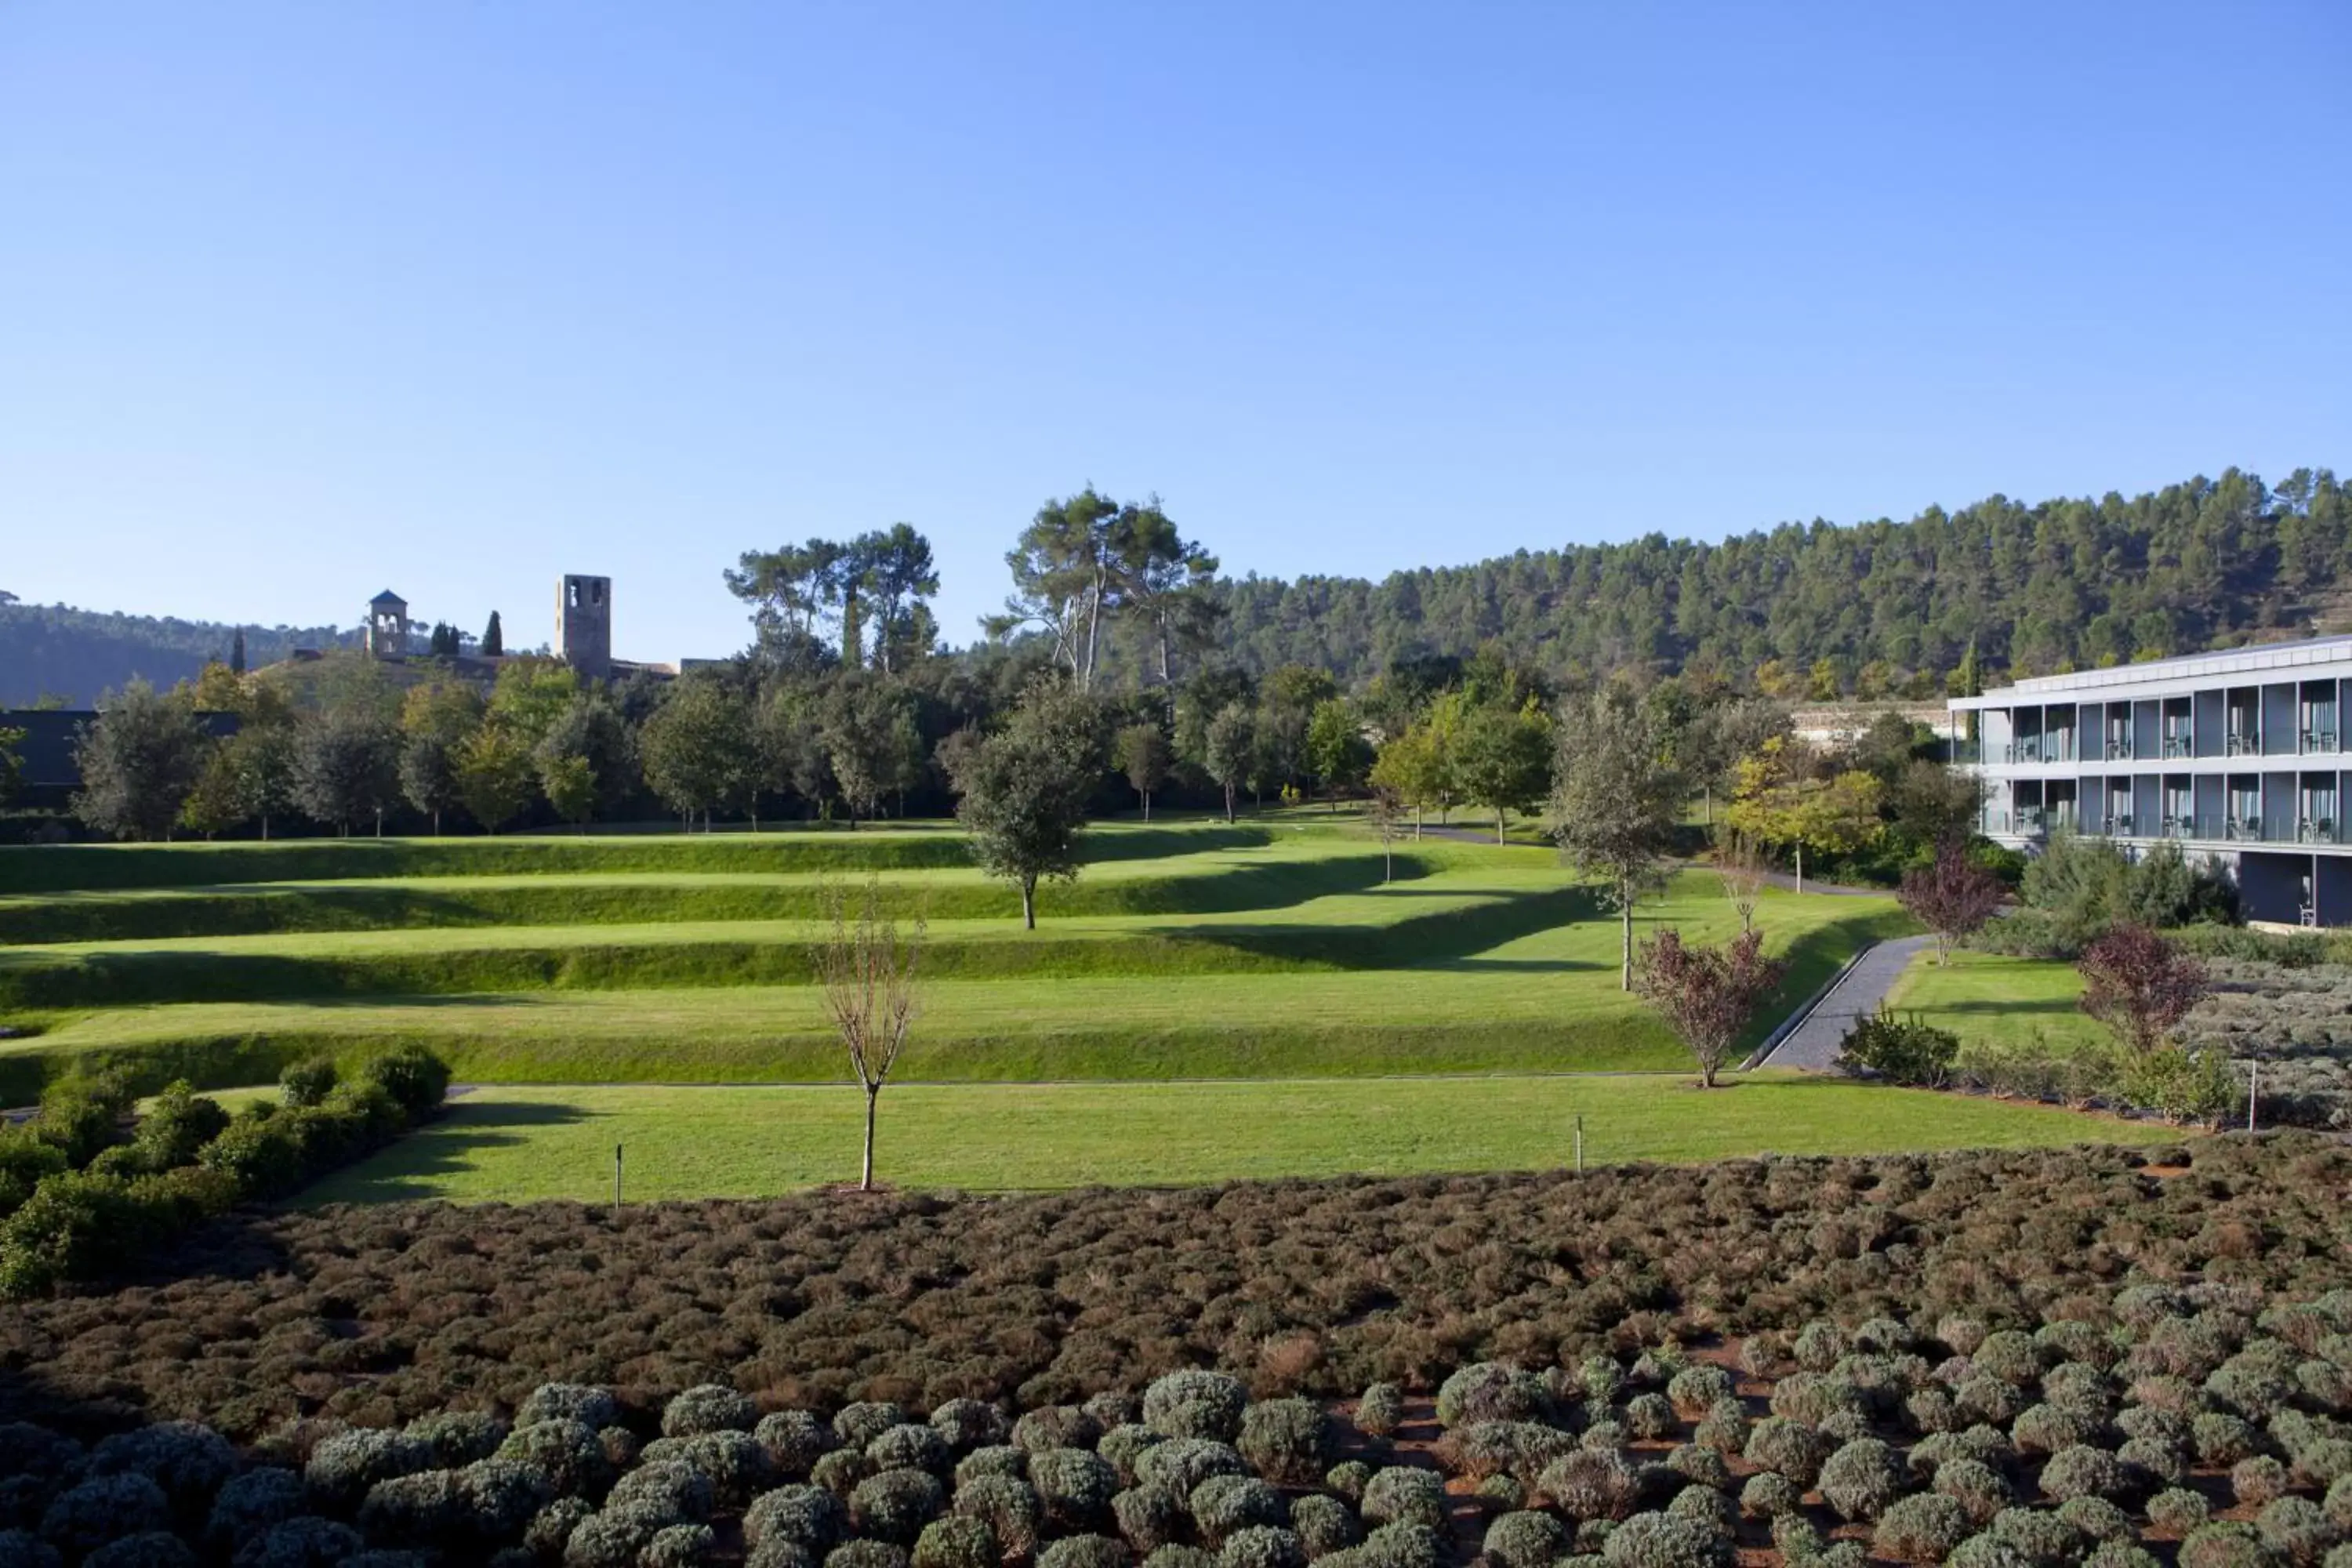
x,y
1813,1044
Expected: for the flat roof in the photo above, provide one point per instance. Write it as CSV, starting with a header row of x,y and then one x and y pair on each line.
x,y
2159,675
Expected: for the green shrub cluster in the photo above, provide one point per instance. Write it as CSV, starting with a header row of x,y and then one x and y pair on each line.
x,y
105,1201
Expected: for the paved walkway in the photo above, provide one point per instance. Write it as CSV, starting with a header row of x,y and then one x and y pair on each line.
x,y
1813,1044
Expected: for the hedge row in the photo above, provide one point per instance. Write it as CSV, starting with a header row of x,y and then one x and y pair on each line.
x,y
78,1203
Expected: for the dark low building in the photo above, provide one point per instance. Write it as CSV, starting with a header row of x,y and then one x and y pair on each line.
x,y
51,775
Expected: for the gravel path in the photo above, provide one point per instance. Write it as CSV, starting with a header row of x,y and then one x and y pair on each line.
x,y
1813,1044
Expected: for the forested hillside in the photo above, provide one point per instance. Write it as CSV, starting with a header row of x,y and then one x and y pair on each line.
x,y
50,651
1890,604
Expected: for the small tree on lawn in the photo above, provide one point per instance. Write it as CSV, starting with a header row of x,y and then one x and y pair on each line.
x,y
869,990
1954,898
1387,814
1144,756
1025,789
1741,868
2140,986
1615,799
1336,748
1774,802
1706,995
1502,757
1229,747
494,775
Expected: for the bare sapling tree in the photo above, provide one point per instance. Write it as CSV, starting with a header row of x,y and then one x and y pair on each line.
x,y
1387,814
1740,866
2140,986
869,989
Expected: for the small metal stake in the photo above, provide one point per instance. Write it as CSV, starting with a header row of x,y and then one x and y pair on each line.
x,y
1580,1143
2253,1084
616,1183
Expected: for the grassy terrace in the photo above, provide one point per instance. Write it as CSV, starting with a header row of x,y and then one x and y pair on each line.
x,y
512,1145
1988,996
1195,952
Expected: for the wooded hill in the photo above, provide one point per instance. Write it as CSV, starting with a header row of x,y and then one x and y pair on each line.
x,y
2040,587
1890,606
49,650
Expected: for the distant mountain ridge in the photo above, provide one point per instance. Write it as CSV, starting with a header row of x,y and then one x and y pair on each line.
x,y
55,652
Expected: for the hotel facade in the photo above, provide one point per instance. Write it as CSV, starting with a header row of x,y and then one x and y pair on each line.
x,y
2238,757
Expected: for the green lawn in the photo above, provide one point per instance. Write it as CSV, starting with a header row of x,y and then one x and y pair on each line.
x,y
1271,954
1997,999
514,1144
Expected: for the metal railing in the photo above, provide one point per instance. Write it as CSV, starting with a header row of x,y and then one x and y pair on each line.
x,y
2207,827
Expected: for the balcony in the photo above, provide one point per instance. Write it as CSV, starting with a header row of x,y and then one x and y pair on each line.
x,y
2319,740
2245,745
2179,746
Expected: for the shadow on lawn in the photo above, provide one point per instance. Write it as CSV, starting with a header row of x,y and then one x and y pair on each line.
x,y
407,1170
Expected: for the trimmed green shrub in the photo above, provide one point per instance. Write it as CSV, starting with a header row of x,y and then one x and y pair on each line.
x,y
1695,1390
2258,1481
86,1517
1492,1391
1979,1489
2041,1539
1591,1484
1195,1403
1262,1546
2223,1440
970,1424
1703,1467
1407,1543
578,1402
2178,1510
1767,1494
2098,1519
1056,1426
2046,1429
1075,1486
1009,1509
730,1459
1818,1345
417,1080
842,1471
2010,1355
867,1555
1706,1506
1862,1479
247,1505
859,1423
1181,1464
998,1461
1122,1447
708,1407
1648,1416
795,1440
2297,1530
678,1546
1084,1552
151,1549
1501,1494
1381,1410
566,1455
2080,1470
1115,1407
1181,1557
1287,1439
1149,1517
1789,1447
895,1505
2225,1543
1348,1478
1223,1504
1924,1528
1524,1540
1324,1524
1665,1541
910,1447
307,1081
957,1541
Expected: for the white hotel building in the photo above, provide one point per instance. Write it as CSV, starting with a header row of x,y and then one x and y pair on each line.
x,y
2239,757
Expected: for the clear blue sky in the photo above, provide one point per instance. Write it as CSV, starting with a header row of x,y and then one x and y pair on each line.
x,y
298,302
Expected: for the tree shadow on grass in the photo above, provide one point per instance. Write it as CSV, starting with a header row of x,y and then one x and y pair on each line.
x,y
1443,938
2003,1009
410,1170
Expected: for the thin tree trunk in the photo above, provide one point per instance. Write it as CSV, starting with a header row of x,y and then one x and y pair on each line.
x,y
437,825
866,1175
1416,822
1626,947
1229,803
1029,904
1147,805
1801,866
1498,827
1388,859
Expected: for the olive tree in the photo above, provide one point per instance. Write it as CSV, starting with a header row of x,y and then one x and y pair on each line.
x,y
1025,790
1616,798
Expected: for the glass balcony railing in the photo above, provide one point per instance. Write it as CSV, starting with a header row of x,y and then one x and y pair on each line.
x,y
2205,828
2321,740
2245,745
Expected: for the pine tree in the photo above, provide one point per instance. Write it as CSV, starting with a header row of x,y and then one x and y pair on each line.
x,y
237,652
494,640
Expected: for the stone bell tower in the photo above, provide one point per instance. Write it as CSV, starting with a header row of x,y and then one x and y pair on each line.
x,y
583,624
387,626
